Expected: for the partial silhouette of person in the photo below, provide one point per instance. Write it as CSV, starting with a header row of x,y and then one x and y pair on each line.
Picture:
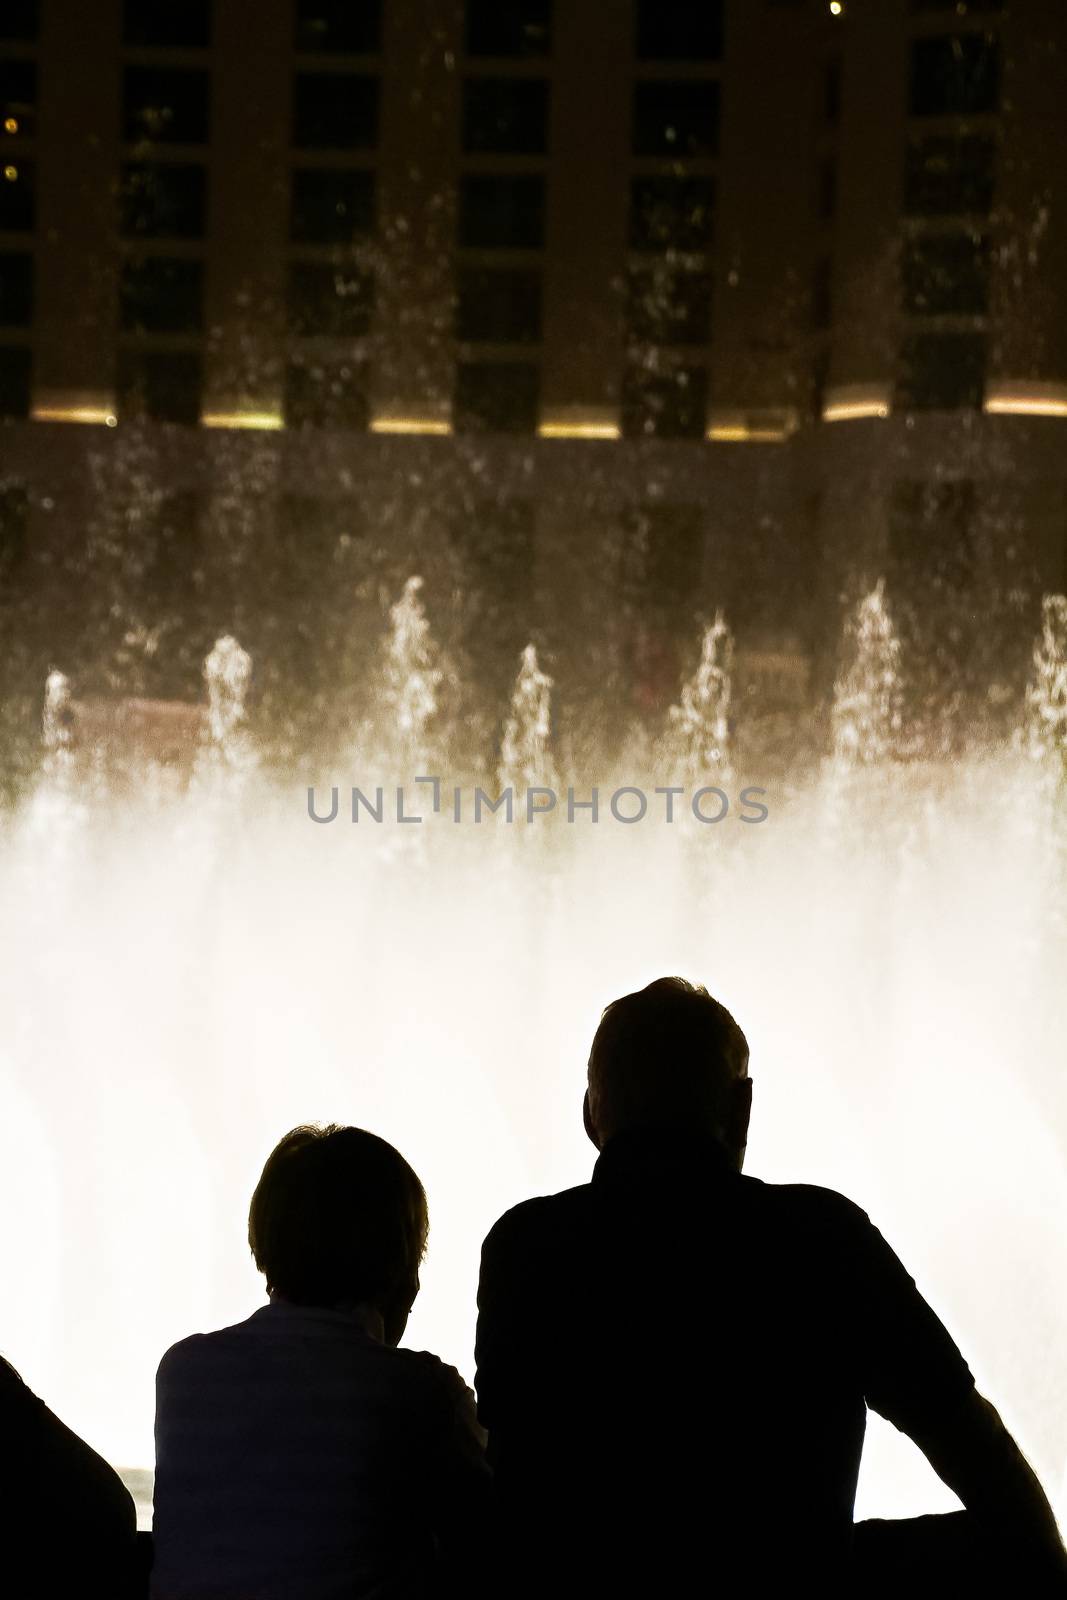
x,y
675,1360
67,1521
301,1453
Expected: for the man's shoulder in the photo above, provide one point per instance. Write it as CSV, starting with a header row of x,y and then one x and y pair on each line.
x,y
541,1216
200,1347
809,1207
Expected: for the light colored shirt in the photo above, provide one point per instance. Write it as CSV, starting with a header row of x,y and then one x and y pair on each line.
x,y
298,1456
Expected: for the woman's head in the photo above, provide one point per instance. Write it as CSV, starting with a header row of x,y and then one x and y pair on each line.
x,y
339,1219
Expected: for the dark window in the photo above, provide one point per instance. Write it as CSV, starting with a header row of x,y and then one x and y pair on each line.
x,y
509,27
331,207
168,532
821,304
671,213
665,405
505,116
831,101
158,295
496,397
17,207
15,380
18,96
165,104
14,526
679,30
931,534
498,307
335,111
828,188
668,306
167,24
16,289
502,213
946,274
962,8
329,301
18,19
949,176
164,385
162,201
327,394
942,372
670,539
676,119
955,76
342,27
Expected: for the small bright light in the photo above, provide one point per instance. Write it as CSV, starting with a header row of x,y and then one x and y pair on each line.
x,y
836,8
11,174
111,421
11,125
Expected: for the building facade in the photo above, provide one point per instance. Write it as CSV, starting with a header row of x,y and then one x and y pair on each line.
x,y
605,314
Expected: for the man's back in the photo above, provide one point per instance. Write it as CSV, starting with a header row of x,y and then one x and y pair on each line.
x,y
673,1366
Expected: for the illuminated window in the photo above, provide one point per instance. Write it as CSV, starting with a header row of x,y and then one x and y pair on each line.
x,y
18,95
679,30
162,201
671,213
329,301
14,526
19,19
166,105
331,206
502,213
498,307
16,366
508,27
335,111
496,397
328,393
167,24
955,76
664,405
328,27
676,119
158,295
17,203
946,274
668,306
16,289
505,116
162,384
942,372
950,176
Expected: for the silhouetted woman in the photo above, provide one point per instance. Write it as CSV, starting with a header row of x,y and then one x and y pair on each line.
x,y
301,1452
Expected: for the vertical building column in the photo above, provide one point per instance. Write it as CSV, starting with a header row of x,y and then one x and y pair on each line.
x,y
587,210
418,166
77,252
252,58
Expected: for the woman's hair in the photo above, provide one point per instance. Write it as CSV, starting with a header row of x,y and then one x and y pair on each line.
x,y
338,1215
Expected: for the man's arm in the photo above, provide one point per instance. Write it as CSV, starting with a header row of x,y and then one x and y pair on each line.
x,y
915,1376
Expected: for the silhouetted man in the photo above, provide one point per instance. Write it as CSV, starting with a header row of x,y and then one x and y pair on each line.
x,y
674,1360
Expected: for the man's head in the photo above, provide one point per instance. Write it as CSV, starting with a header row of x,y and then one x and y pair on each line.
x,y
669,1057
339,1220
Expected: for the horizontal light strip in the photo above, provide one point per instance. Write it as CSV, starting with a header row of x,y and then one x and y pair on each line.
x,y
1020,406
428,425
578,430
96,415
853,410
723,434
268,421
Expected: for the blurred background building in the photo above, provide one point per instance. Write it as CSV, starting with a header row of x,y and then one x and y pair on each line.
x,y
602,314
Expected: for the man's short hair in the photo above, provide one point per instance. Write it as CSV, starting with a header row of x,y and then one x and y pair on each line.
x,y
338,1215
664,1056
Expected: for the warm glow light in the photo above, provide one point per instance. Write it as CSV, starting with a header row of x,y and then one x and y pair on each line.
x,y
836,8
434,425
270,421
11,125
1027,400
11,174
729,433
96,415
578,430
853,410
